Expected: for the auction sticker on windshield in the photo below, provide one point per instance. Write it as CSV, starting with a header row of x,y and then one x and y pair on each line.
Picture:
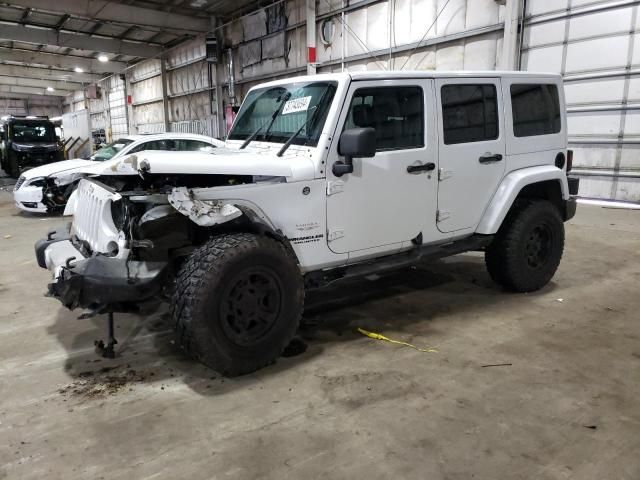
x,y
296,105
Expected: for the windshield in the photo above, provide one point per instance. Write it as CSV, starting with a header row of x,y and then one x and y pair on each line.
x,y
293,105
109,151
32,132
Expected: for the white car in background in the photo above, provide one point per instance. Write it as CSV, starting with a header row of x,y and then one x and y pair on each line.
x,y
43,189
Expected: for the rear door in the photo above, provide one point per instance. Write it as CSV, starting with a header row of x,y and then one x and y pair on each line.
x,y
471,149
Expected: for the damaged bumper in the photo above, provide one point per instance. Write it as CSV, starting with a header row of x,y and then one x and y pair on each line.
x,y
30,199
97,281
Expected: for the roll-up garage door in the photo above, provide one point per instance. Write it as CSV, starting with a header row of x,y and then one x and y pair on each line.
x,y
596,47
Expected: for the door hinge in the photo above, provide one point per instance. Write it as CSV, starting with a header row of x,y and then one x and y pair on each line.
x,y
442,216
334,187
334,235
444,174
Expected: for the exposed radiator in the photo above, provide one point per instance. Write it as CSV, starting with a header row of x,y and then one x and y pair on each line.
x,y
92,220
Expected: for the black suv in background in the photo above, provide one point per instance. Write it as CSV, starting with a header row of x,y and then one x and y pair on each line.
x,y
28,142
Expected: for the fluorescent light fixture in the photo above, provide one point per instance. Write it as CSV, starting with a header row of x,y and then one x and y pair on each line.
x,y
78,70
50,89
103,58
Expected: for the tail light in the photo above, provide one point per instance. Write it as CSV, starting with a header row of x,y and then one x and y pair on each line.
x,y
569,160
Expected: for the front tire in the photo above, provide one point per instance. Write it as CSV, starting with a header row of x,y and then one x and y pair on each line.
x,y
238,302
14,168
527,249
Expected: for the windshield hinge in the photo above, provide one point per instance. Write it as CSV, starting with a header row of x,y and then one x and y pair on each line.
x,y
444,174
334,235
334,187
442,216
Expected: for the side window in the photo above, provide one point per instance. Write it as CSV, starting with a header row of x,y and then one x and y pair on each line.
x,y
397,114
167,145
193,146
536,109
469,113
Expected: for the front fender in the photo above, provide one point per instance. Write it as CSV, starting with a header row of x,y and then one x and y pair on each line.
x,y
509,189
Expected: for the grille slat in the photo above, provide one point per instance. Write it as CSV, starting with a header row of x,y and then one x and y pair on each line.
x,y
92,220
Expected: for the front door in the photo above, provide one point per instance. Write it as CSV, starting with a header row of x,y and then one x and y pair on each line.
x,y
389,199
472,149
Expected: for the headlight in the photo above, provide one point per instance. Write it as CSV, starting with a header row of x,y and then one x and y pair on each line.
x,y
19,148
36,182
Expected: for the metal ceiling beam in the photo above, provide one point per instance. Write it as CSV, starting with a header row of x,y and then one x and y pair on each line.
x,y
39,83
41,99
107,11
20,33
62,62
47,74
10,90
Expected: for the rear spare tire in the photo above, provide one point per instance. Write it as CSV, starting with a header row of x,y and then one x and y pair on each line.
x,y
238,302
527,249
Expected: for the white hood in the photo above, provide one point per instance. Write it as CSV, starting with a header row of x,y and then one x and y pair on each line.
x,y
53,169
220,161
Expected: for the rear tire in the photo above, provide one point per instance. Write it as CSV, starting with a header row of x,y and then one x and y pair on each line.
x,y
527,249
237,303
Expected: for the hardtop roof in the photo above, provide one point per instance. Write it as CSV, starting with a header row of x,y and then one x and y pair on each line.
x,y
410,74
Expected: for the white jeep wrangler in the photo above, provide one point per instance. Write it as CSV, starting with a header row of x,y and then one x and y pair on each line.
x,y
322,178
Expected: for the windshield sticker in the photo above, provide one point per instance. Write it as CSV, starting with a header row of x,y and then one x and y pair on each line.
x,y
296,105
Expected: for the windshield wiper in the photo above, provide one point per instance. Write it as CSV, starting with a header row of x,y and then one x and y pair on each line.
x,y
297,132
268,122
312,117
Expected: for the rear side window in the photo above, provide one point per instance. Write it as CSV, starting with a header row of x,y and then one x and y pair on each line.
x,y
153,145
193,146
469,113
397,114
536,109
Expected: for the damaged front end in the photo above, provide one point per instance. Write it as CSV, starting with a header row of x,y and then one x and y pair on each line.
x,y
128,236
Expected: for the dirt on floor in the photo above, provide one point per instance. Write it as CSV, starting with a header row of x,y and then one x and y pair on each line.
x,y
544,385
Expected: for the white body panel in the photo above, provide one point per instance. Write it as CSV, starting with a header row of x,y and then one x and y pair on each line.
x,y
219,162
466,184
65,166
379,208
508,191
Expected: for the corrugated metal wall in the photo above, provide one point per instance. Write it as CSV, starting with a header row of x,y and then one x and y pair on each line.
x,y
118,115
32,106
368,35
145,83
595,45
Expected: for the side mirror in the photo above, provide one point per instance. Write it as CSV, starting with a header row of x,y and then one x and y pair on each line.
x,y
355,142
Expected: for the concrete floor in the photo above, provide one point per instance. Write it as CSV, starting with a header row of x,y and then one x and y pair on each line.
x,y
350,407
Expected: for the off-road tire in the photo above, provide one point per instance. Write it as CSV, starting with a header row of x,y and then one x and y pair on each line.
x,y
512,258
207,309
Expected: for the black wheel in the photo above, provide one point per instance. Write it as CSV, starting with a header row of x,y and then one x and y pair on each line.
x,y
238,302
527,249
13,168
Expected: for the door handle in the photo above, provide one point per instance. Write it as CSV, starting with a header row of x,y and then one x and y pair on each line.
x,y
426,167
490,158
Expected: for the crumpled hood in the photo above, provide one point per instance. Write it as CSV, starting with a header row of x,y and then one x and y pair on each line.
x,y
221,161
53,169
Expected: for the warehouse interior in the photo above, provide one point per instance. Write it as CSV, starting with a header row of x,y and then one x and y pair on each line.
x,y
502,385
